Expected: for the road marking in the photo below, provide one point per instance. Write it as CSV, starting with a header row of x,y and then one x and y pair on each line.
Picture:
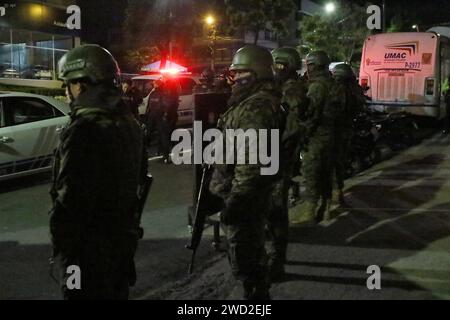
x,y
391,222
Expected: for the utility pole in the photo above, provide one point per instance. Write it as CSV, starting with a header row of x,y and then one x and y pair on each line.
x,y
212,30
213,49
171,30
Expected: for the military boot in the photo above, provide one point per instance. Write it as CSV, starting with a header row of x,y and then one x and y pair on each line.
x,y
276,270
328,210
305,216
256,292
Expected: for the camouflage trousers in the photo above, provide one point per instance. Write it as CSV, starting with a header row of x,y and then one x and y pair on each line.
x,y
278,222
341,154
106,269
246,249
317,167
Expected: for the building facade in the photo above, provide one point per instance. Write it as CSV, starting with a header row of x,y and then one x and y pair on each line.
x,y
33,36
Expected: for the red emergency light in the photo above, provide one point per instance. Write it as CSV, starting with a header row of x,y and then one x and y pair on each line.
x,y
171,71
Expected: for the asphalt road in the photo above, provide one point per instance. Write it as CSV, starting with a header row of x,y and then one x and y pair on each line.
x,y
161,258
399,220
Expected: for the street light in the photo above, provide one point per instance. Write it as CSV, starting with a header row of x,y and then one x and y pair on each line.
x,y
211,23
330,7
416,27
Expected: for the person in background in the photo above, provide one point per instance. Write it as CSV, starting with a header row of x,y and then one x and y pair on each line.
x,y
132,97
169,116
206,82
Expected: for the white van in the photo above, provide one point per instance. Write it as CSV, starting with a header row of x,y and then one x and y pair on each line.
x,y
405,72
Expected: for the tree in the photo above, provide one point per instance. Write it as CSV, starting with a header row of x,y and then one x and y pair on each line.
x,y
257,15
153,29
151,26
396,24
341,34
140,57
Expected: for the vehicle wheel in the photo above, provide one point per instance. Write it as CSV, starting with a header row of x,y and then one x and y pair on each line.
x,y
369,160
355,166
376,154
384,151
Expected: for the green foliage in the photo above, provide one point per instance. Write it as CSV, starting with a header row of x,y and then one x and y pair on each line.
x,y
341,34
150,25
396,24
142,56
257,15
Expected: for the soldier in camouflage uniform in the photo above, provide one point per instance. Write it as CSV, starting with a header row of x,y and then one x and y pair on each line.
x,y
353,104
294,102
253,105
324,98
98,168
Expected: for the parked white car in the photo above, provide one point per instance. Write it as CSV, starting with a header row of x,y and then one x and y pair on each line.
x,y
187,83
30,126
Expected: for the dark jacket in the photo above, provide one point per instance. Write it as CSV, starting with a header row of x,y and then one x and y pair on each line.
x,y
132,99
98,167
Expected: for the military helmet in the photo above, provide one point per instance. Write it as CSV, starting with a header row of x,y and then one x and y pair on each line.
x,y
343,71
256,59
318,58
289,57
89,61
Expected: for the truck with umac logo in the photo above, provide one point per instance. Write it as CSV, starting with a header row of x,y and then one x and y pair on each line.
x,y
407,71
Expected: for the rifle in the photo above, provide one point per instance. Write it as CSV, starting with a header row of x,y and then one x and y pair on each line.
x,y
143,192
200,214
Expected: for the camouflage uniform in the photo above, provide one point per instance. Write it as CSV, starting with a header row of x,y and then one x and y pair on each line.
x,y
245,191
294,102
352,105
318,156
98,167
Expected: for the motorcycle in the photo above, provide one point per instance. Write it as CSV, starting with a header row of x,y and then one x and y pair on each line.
x,y
362,153
377,136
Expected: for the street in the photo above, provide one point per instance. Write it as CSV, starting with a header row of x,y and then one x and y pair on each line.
x,y
25,244
399,221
